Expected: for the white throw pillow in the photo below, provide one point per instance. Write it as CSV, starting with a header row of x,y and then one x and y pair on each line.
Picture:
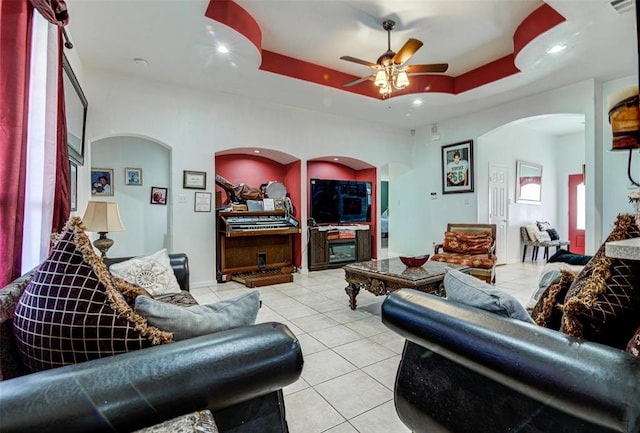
x,y
543,236
153,273
531,231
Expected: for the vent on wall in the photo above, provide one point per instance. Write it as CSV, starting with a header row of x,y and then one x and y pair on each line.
x,y
623,6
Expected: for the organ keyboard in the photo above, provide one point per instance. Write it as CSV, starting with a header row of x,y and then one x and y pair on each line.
x,y
254,242
249,222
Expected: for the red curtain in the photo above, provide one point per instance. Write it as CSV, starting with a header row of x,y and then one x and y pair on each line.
x,y
15,36
62,199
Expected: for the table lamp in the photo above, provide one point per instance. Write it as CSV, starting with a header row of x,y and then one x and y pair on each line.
x,y
102,217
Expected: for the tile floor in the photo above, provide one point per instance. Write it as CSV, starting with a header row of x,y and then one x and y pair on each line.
x,y
350,357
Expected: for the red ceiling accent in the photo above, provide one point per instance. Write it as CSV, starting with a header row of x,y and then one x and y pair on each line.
x,y
539,21
231,14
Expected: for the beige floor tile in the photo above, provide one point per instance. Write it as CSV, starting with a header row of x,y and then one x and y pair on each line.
x,y
310,345
367,327
354,393
325,365
363,352
314,322
346,314
381,419
384,371
345,427
336,336
308,412
390,340
296,386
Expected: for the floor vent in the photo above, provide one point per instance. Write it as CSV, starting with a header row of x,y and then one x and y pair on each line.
x,y
623,6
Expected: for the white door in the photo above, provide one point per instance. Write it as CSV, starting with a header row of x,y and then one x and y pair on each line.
x,y
498,203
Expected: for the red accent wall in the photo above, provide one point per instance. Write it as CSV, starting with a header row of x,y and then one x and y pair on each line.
x,y
334,170
255,170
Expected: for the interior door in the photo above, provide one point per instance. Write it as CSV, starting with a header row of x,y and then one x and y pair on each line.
x,y
498,207
577,210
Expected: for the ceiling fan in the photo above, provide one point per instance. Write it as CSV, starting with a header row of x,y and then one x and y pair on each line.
x,y
391,70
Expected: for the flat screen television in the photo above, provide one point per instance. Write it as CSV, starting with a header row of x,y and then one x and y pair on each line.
x,y
340,201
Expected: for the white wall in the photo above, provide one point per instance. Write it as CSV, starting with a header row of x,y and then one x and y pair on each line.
x,y
570,153
147,225
506,145
196,125
433,215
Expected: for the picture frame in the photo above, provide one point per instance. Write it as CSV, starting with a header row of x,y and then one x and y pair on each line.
x,y
202,202
133,176
102,181
159,195
528,182
457,167
73,191
194,179
75,113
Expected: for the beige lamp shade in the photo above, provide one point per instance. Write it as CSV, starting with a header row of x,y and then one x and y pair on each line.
x,y
102,216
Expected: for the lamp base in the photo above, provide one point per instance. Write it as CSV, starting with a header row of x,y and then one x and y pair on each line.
x,y
103,243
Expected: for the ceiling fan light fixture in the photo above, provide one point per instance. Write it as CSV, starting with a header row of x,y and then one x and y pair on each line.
x,y
381,79
402,80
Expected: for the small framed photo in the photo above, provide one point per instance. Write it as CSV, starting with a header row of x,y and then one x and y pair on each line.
x,y
158,195
73,177
202,202
194,179
457,167
133,176
101,181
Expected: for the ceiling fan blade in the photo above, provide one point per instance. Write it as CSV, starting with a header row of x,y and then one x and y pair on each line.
x,y
407,51
358,81
362,62
426,69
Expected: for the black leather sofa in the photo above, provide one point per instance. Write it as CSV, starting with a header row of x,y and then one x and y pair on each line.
x,y
237,374
467,370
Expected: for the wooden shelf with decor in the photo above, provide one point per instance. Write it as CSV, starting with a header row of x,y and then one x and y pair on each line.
x,y
334,247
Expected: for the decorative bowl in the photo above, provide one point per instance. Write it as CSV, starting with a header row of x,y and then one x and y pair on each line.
x,y
415,261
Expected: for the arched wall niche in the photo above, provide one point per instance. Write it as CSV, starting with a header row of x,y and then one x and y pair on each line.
x,y
148,226
557,141
346,168
257,166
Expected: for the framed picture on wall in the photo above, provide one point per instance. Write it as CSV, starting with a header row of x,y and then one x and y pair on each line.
x,y
101,181
194,179
133,176
457,167
75,113
158,195
73,177
202,202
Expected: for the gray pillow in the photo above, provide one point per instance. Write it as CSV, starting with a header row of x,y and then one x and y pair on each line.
x,y
468,290
189,322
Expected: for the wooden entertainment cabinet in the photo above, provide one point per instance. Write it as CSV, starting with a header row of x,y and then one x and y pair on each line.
x,y
325,253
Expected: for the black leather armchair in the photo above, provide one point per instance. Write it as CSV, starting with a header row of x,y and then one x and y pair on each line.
x,y
464,370
238,374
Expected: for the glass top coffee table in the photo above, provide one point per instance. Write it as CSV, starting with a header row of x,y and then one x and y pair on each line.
x,y
382,277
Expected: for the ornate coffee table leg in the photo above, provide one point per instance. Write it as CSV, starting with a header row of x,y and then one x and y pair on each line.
x,y
352,291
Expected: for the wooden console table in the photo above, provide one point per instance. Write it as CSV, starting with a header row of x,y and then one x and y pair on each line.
x,y
382,277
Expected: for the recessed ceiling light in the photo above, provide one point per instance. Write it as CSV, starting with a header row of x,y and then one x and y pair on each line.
x,y
417,102
140,61
223,49
556,49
